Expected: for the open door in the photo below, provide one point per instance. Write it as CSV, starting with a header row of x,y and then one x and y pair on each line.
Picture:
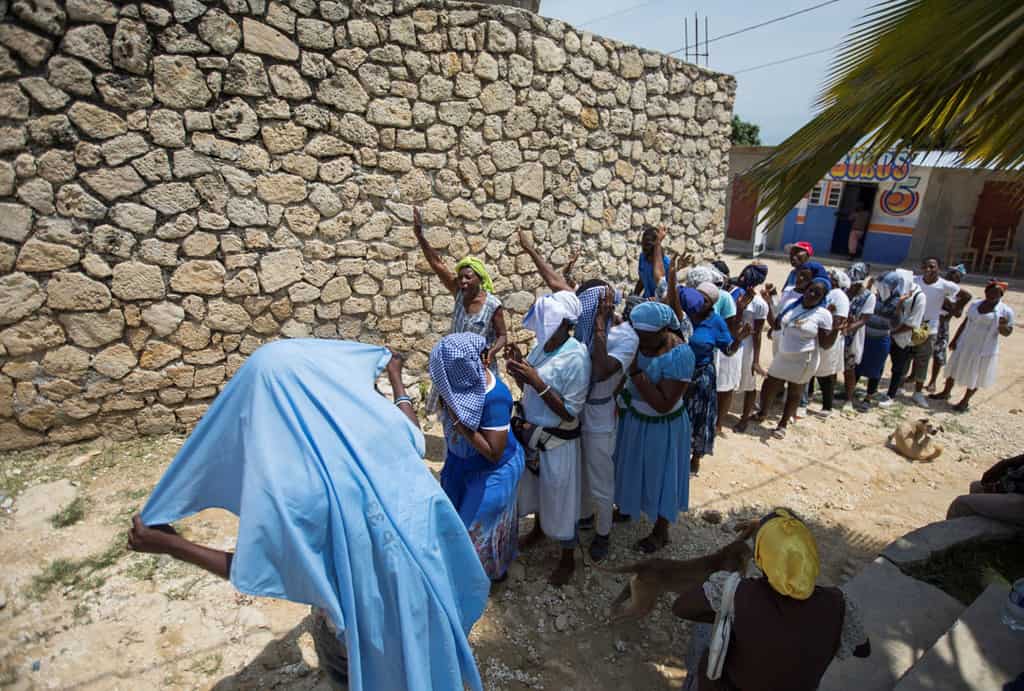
x,y
854,195
742,210
998,208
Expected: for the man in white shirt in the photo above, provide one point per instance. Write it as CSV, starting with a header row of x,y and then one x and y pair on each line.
x,y
937,291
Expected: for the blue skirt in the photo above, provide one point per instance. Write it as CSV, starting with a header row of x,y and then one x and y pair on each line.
x,y
876,350
652,464
486,502
702,406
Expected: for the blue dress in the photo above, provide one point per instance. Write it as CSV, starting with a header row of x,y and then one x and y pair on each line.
x,y
702,398
483,492
646,271
652,450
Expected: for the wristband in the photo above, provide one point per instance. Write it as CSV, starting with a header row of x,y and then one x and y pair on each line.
x,y
403,399
542,393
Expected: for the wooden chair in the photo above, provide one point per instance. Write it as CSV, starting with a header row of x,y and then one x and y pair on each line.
x,y
964,254
999,248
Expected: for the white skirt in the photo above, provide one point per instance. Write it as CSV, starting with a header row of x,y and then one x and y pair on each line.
x,y
831,361
748,382
795,368
728,370
555,494
967,367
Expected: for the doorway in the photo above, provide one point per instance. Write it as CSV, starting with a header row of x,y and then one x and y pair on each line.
x,y
742,209
854,195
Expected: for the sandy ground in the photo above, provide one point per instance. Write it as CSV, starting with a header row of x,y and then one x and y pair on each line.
x,y
78,612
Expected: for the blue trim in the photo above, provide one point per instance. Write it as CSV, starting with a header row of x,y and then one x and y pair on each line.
x,y
886,248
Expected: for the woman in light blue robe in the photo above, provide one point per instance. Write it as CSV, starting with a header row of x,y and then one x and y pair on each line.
x,y
336,509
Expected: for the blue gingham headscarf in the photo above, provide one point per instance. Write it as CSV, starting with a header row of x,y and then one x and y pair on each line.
x,y
858,272
590,299
458,375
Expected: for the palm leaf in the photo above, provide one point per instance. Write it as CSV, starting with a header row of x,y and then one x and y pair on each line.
x,y
912,74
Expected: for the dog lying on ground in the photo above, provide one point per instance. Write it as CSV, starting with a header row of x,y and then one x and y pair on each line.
x,y
913,440
652,577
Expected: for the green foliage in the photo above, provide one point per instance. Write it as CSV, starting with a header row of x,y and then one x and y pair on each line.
x,y
913,74
965,570
70,514
78,574
745,133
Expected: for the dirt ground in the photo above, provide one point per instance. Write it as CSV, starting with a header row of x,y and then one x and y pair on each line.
x,y
79,612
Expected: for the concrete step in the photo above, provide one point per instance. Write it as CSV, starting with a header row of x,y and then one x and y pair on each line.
x,y
903,618
977,653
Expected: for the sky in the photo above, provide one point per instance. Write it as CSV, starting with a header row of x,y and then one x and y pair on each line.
x,y
780,98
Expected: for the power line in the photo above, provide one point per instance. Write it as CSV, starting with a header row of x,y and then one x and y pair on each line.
x,y
779,62
758,26
619,13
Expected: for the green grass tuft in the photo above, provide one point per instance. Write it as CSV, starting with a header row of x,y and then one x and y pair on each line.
x,y
81,574
70,514
965,570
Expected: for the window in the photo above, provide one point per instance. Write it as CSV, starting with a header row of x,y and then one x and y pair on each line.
x,y
834,194
815,197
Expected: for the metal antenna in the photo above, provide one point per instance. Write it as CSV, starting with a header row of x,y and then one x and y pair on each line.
x,y
693,53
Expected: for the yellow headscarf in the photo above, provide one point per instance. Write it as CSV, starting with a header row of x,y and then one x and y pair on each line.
x,y
479,269
785,550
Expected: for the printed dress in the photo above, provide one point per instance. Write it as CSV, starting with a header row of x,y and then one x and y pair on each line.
x,y
483,492
481,323
652,450
709,336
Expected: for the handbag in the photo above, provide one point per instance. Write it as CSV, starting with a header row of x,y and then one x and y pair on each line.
x,y
722,630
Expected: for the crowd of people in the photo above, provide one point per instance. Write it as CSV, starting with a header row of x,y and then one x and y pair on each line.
x,y
622,396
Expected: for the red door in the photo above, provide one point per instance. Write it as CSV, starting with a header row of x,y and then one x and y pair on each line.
x,y
742,210
998,208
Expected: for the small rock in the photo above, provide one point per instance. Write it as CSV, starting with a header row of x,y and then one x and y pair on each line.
x,y
561,622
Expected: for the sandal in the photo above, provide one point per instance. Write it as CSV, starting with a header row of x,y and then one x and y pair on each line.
x,y
961,408
650,544
779,433
599,547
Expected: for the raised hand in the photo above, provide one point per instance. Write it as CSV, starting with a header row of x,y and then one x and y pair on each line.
x,y
605,307
744,300
394,365
524,240
662,232
417,221
512,353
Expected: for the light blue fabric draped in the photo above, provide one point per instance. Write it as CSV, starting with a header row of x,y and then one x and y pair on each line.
x,y
337,510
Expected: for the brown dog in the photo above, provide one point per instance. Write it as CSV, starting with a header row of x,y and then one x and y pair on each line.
x,y
652,577
912,439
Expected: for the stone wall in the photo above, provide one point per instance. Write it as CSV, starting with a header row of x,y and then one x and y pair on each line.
x,y
182,182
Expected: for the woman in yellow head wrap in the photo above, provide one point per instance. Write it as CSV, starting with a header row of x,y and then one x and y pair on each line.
x,y
783,630
477,309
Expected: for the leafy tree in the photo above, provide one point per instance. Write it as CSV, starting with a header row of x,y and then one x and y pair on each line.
x,y
745,133
917,75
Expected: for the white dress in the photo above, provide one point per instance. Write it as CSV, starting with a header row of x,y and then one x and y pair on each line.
x,y
757,310
832,359
973,363
555,493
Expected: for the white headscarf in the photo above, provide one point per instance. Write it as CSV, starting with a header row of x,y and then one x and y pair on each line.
x,y
839,278
549,311
704,274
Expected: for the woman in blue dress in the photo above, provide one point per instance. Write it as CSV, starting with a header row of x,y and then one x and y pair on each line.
x,y
484,462
652,451
710,333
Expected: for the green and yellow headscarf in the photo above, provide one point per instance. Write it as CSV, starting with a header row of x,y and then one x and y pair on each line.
x,y
785,550
479,269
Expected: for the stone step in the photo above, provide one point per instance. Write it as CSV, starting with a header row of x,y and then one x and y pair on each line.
x,y
977,653
937,537
903,618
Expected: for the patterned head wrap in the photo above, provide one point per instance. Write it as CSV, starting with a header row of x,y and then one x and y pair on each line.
x,y
787,553
590,299
1003,286
458,375
752,276
840,279
479,269
549,311
704,274
709,289
692,301
653,316
858,272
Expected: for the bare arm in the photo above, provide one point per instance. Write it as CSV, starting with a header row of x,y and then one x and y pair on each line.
x,y
163,539
530,377
431,255
394,369
656,257
956,338
490,443
603,365
500,335
956,308
758,332
1005,329
567,269
827,337
662,396
554,280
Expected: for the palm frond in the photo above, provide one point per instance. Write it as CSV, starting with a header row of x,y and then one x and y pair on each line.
x,y
917,75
